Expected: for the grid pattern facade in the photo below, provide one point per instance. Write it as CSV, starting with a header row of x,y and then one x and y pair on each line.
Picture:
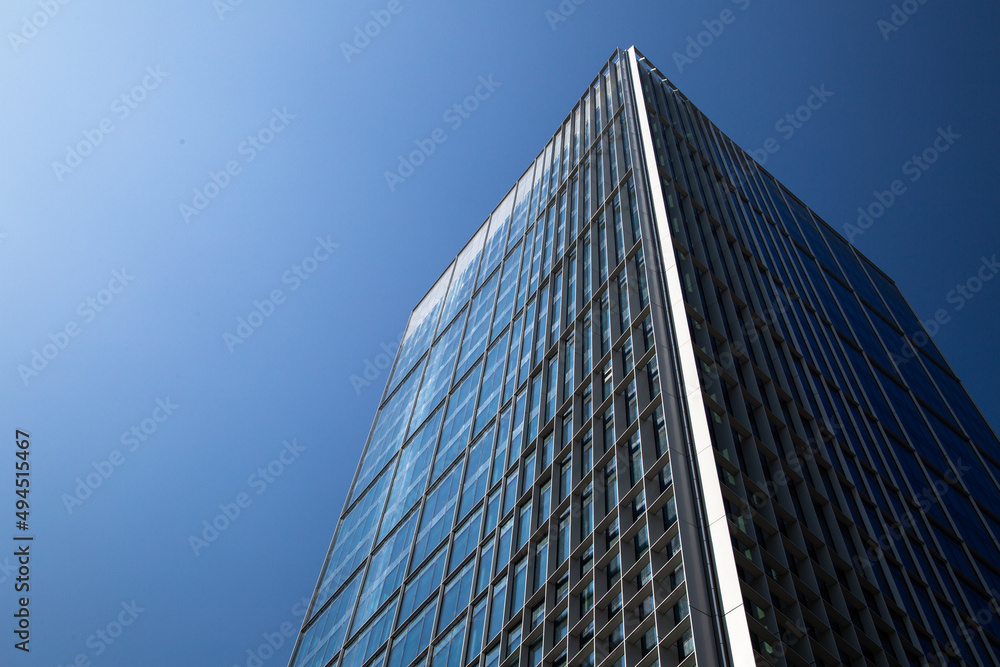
x,y
657,413
858,478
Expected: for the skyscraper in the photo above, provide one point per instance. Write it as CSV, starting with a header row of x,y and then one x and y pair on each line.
x,y
657,412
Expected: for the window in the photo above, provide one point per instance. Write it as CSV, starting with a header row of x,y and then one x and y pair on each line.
x,y
513,641
544,502
565,478
616,637
677,577
492,510
628,361
535,653
623,301
587,598
439,511
605,322
614,570
500,457
635,459
609,428
370,639
541,562
456,596
524,525
493,657
529,472
475,643
653,376
567,426
648,641
548,445
640,268
518,583
477,477
426,581
385,571
669,513
681,609
562,586
631,403
685,645
510,492
587,560
571,279
551,392
610,487
587,511
563,538
448,652
561,625
638,505
466,539
660,432
489,398
415,638
534,407
542,331
556,327
496,610
485,568
644,576
568,366
666,478
611,534
503,548
588,401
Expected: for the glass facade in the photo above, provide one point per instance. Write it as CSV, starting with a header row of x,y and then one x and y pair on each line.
x,y
656,412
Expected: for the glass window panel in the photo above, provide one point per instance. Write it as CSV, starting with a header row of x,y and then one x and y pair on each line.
x,y
457,423
463,278
387,435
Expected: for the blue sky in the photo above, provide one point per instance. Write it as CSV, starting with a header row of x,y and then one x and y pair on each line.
x,y
311,216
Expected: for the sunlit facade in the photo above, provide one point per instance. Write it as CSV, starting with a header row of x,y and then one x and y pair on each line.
x,y
658,413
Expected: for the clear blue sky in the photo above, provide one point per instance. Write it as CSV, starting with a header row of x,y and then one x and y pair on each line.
x,y
339,126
